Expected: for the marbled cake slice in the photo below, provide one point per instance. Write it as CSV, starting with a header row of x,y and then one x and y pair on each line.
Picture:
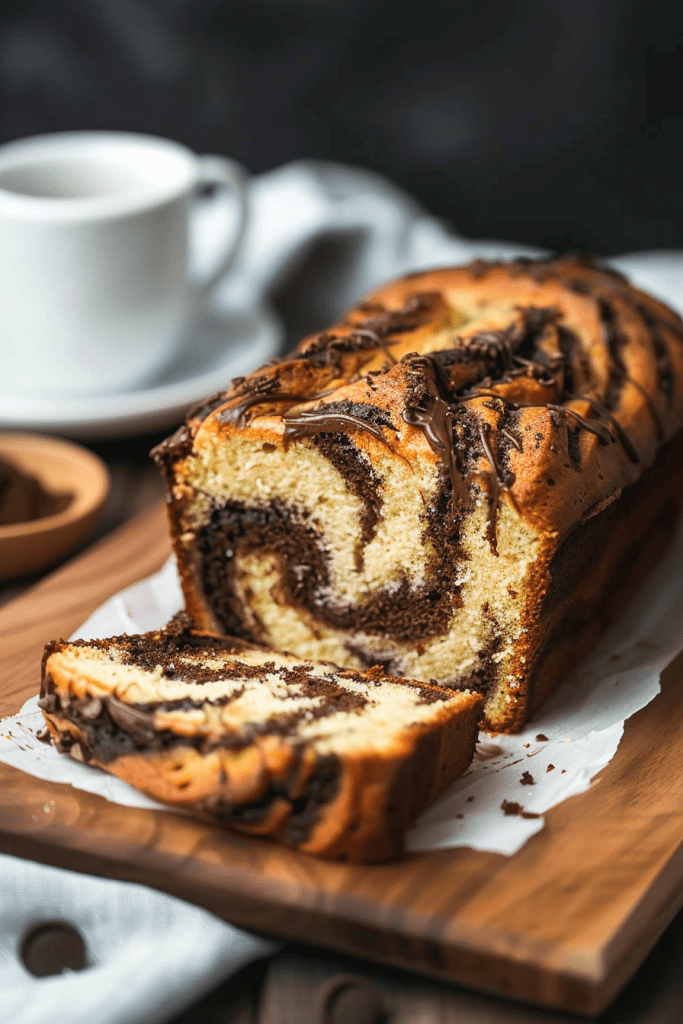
x,y
335,762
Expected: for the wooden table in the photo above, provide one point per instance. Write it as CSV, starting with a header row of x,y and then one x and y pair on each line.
x,y
291,986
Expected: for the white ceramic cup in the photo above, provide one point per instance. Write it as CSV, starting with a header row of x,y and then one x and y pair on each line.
x,y
96,289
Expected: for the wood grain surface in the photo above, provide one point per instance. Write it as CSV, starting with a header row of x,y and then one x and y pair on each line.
x,y
563,924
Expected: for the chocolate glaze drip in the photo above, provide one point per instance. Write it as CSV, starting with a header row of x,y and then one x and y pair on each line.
x,y
237,413
600,429
497,483
202,410
435,421
514,441
596,427
434,413
328,349
258,390
379,342
499,350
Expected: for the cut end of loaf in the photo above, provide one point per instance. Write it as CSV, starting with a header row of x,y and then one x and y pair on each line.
x,y
403,489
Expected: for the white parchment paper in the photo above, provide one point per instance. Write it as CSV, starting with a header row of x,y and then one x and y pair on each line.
x,y
568,742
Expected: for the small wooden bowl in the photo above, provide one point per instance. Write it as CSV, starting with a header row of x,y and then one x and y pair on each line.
x,y
62,468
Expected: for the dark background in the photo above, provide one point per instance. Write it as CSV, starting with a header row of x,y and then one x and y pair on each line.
x,y
554,122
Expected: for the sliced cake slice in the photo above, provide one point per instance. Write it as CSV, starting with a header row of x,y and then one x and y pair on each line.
x,y
337,763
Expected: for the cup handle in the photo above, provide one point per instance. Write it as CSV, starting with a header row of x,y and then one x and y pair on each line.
x,y
220,172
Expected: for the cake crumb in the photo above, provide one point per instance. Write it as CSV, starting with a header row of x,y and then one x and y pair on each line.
x,y
527,779
563,771
460,815
541,738
527,745
550,768
470,799
512,807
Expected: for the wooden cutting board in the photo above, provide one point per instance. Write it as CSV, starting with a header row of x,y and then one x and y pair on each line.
x,y
563,923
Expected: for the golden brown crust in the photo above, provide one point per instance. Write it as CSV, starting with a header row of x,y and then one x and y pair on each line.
x,y
649,338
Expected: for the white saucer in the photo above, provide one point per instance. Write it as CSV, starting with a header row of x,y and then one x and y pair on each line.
x,y
222,344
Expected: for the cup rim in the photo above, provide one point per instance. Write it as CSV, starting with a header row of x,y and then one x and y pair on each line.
x,y
65,209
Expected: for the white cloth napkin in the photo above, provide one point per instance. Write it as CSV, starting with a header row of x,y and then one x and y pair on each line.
x,y
151,955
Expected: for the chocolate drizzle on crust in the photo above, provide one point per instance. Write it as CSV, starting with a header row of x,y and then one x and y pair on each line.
x,y
335,416
371,333
496,484
599,409
434,417
599,426
202,410
432,408
237,413
417,310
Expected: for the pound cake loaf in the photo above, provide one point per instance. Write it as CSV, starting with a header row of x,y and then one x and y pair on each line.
x,y
461,481
334,762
